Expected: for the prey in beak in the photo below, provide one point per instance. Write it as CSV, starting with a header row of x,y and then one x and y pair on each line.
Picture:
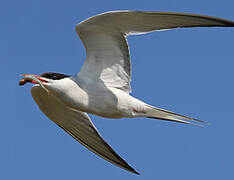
x,y
43,78
32,79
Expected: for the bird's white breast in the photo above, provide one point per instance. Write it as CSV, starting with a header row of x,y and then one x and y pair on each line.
x,y
69,92
91,97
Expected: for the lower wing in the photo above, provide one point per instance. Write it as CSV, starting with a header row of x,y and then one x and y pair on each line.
x,y
78,125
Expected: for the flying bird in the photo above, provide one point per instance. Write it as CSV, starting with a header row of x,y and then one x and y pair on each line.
x,y
102,87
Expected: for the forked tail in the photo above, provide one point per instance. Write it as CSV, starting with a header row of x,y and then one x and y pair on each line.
x,y
157,113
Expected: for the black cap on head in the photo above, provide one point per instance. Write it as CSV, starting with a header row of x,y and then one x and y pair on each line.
x,y
54,76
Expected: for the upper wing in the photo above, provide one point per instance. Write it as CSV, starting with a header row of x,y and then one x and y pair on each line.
x,y
78,125
107,51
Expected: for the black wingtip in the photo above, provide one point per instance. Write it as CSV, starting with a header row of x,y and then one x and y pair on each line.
x,y
129,168
137,173
134,171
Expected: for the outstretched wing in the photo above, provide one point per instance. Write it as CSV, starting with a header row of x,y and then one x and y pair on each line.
x,y
103,36
78,125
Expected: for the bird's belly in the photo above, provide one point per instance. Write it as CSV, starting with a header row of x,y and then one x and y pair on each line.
x,y
104,106
110,103
101,102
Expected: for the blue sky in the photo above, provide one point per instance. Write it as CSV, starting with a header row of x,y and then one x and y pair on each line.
x,y
188,71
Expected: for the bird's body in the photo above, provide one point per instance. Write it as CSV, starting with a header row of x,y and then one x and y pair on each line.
x,y
102,87
105,102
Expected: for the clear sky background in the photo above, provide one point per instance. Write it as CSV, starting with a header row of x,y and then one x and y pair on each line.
x,y
188,71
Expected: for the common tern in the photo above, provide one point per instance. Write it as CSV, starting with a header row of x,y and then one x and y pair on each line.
x,y
102,87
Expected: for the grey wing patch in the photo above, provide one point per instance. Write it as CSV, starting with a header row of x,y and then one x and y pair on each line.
x,y
107,51
107,58
78,125
123,45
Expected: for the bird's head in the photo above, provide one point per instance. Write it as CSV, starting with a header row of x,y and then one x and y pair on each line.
x,y
43,78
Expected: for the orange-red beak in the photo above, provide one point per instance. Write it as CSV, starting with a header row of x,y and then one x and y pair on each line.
x,y
26,80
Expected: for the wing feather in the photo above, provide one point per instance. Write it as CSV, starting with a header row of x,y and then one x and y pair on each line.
x,y
103,36
78,125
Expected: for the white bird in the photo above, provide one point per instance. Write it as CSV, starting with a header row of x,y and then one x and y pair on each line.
x,y
102,87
